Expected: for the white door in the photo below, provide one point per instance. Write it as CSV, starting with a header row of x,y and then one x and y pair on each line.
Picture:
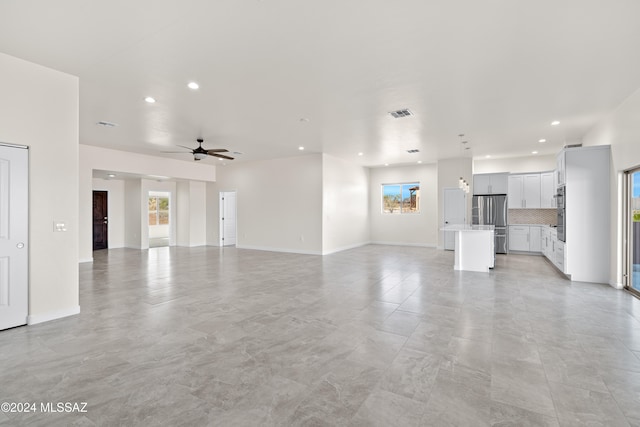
x,y
455,212
14,251
227,218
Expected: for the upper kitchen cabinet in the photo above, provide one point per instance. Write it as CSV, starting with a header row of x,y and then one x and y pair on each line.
x,y
490,183
548,189
524,191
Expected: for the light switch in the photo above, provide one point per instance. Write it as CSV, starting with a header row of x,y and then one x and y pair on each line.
x,y
59,226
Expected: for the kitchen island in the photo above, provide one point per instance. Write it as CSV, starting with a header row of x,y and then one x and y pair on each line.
x,y
474,247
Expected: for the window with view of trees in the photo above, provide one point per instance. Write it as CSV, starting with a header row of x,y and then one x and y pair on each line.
x,y
158,210
401,198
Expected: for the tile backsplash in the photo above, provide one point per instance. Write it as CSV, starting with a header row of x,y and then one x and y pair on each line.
x,y
533,216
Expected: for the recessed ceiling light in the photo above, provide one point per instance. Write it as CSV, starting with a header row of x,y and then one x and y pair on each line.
x,y
419,161
301,148
193,85
360,154
488,156
534,152
221,159
386,164
112,175
158,176
150,99
555,123
542,140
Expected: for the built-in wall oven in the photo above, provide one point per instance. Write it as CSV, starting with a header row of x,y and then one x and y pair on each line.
x,y
561,198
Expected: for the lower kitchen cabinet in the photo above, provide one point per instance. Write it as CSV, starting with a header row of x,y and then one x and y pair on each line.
x,y
524,238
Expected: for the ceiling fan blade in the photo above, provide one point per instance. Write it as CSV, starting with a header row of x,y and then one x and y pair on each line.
x,y
188,148
217,150
175,152
220,156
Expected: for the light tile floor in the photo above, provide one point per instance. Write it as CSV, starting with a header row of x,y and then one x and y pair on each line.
x,y
374,336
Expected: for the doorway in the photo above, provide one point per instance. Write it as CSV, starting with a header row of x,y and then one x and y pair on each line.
x,y
14,226
228,218
454,212
159,219
632,222
100,220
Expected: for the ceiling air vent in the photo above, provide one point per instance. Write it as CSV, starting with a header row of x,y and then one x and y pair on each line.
x,y
398,114
415,150
107,124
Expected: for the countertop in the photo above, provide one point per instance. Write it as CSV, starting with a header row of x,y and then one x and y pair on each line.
x,y
467,227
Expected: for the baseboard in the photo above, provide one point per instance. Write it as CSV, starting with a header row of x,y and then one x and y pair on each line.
x,y
284,250
419,245
345,248
616,285
52,315
85,260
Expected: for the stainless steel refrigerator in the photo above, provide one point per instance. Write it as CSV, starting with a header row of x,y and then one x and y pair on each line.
x,y
492,210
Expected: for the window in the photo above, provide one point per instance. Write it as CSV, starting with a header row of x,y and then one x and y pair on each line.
x,y
158,210
401,198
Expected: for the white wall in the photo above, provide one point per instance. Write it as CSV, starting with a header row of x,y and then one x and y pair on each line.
x,y
96,158
516,164
279,203
621,130
345,201
115,209
39,108
133,214
191,214
449,173
414,229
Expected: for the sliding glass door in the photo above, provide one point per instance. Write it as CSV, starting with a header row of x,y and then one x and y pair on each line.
x,y
632,184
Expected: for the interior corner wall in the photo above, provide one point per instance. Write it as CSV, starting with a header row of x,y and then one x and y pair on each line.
x,y
133,214
345,205
621,130
213,214
279,203
197,213
115,209
39,108
449,173
411,229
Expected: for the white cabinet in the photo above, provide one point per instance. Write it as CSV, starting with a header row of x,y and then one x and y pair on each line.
x,y
544,241
548,190
490,183
524,191
525,238
552,248
519,238
534,239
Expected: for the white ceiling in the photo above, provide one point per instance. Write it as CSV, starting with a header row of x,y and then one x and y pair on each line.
x,y
498,71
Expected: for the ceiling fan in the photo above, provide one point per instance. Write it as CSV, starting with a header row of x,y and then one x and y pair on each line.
x,y
200,153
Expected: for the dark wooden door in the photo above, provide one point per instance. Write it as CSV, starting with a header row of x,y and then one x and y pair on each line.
x,y
100,220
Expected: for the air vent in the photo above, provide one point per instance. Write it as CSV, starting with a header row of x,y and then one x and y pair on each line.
x,y
107,124
398,114
573,145
415,150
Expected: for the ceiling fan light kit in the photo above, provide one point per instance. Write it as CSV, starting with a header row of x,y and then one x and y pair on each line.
x,y
200,153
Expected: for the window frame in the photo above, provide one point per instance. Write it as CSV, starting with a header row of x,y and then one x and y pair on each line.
x,y
401,202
